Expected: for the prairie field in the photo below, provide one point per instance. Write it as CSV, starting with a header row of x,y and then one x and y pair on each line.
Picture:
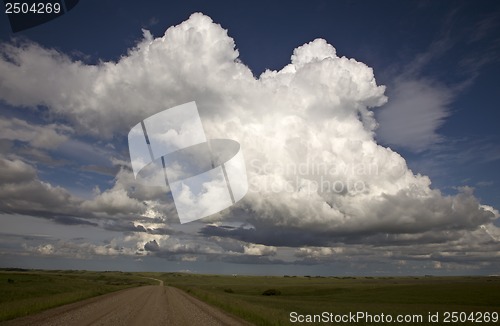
x,y
243,295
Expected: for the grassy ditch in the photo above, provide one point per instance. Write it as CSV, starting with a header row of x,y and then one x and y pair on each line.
x,y
26,292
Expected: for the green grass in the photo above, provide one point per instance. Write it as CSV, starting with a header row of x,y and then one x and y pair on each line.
x,y
26,292
242,295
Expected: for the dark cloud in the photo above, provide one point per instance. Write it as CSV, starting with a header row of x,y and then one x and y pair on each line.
x,y
270,235
15,171
70,220
152,246
123,226
105,170
22,192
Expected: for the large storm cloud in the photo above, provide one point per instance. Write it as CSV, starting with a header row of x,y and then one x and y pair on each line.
x,y
317,175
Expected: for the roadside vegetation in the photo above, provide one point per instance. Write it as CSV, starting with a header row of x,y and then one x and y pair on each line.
x,y
24,292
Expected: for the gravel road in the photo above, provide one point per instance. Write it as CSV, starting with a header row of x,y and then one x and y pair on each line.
x,y
145,305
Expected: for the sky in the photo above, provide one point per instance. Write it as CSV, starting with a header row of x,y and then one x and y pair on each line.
x,y
369,132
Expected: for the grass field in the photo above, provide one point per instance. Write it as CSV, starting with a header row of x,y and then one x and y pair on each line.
x,y
27,292
242,295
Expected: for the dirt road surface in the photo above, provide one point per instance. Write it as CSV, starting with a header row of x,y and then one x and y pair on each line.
x,y
145,305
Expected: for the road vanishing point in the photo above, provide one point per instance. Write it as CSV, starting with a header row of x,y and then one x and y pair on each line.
x,y
140,306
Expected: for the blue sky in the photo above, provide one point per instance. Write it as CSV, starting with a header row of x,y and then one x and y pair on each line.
x,y
81,81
